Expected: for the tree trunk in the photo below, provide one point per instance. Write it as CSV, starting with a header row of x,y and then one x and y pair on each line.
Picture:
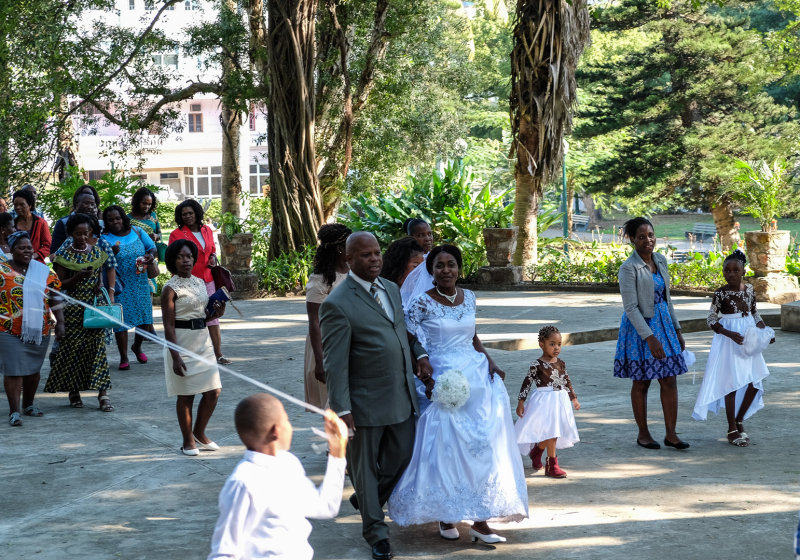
x,y
334,162
527,196
231,121
724,220
294,189
66,155
594,213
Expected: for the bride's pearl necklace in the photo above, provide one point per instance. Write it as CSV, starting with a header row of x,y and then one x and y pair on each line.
x,y
451,299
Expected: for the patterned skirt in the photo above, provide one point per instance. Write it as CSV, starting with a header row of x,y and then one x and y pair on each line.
x,y
78,362
633,359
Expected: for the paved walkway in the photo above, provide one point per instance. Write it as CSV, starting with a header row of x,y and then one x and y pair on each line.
x,y
109,486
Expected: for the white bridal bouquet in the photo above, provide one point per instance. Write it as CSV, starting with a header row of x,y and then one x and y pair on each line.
x,y
451,389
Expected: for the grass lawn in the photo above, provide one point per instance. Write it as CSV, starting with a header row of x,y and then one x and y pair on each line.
x,y
673,226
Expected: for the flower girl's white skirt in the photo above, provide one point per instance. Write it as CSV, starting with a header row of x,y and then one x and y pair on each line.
x,y
548,414
728,370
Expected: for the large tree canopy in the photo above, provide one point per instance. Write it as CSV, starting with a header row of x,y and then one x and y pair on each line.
x,y
670,97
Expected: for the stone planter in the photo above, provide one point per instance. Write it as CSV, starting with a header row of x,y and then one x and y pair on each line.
x,y
766,253
500,245
237,252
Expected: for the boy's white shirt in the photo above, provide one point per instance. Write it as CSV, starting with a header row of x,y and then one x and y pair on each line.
x,y
265,503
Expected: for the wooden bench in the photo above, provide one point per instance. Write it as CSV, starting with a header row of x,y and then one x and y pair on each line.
x,y
580,222
701,232
680,256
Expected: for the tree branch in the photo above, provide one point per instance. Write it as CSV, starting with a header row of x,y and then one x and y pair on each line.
x,y
150,117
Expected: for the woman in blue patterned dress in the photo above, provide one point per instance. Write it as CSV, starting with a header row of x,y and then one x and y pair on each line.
x,y
137,305
650,341
79,362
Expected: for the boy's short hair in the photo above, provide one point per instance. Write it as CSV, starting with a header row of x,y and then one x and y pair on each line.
x,y
256,415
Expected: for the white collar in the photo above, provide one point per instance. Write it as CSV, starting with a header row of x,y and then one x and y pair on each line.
x,y
366,284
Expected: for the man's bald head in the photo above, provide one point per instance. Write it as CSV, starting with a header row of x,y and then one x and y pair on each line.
x,y
364,255
357,239
255,417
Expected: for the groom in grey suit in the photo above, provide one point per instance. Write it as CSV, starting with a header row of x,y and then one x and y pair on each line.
x,y
367,359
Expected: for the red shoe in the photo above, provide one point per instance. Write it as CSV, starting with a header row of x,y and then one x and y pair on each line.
x,y
536,457
553,470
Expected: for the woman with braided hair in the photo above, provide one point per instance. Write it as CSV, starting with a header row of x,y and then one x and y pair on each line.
x,y
330,269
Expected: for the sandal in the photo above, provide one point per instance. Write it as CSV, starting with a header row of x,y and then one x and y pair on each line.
x,y
105,403
737,439
740,427
32,410
224,361
75,400
14,419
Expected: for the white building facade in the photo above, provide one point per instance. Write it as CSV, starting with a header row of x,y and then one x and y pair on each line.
x,y
186,164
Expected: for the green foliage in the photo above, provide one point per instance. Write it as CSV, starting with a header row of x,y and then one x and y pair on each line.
x,y
445,200
762,190
599,264
287,273
669,96
114,187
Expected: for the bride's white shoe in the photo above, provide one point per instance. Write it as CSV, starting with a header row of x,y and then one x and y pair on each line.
x,y
491,538
450,534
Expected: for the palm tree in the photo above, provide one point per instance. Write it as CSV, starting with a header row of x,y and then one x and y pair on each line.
x,y
549,37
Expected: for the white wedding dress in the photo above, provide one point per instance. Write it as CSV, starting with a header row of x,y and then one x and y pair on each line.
x,y
466,465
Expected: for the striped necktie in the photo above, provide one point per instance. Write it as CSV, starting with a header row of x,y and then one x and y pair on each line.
x,y
374,291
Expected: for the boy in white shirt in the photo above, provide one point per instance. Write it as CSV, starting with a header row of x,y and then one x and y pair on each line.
x,y
266,500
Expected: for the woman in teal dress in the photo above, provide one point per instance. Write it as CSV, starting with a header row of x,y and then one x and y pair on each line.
x,y
143,215
78,363
135,246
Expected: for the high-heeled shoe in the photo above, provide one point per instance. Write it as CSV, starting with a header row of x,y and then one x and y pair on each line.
x,y
450,534
491,538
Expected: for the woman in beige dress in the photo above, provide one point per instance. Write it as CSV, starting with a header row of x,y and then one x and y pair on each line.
x,y
192,369
330,268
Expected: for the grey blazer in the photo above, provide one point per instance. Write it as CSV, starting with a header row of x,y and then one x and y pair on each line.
x,y
367,356
638,291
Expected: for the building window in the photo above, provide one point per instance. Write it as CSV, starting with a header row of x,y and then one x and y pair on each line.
x,y
209,182
252,116
259,176
166,59
195,122
149,5
192,5
188,181
131,4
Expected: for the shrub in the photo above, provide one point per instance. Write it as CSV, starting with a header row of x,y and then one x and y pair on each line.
x,y
600,264
287,273
445,200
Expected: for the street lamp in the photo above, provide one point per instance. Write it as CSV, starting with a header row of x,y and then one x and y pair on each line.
x,y
564,217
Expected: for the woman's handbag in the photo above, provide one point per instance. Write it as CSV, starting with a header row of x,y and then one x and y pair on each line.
x,y
152,266
222,278
162,251
94,318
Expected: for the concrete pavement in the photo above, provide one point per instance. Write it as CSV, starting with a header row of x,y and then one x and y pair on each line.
x,y
114,485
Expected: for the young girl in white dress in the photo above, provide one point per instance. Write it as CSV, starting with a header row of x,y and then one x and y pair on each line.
x,y
547,421
735,368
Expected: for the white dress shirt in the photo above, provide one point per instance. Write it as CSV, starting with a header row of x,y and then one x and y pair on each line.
x,y
264,505
382,294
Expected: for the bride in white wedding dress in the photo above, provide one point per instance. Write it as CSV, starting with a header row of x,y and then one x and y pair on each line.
x,y
466,465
